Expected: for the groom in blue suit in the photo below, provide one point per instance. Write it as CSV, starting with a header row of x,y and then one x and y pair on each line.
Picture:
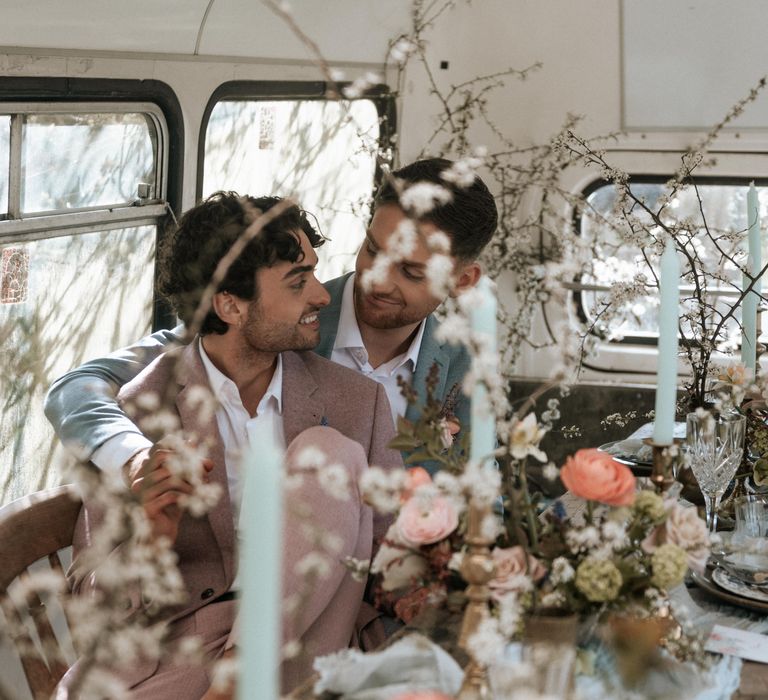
x,y
385,330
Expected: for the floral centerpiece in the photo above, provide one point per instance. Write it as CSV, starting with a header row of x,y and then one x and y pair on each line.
x,y
604,548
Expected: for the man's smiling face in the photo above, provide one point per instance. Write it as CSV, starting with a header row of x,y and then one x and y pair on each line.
x,y
284,314
404,299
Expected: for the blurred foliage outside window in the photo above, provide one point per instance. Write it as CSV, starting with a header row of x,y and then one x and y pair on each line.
x,y
69,294
321,153
724,210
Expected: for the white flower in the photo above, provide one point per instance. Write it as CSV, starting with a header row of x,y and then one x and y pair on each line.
x,y
486,645
334,480
313,564
422,197
310,457
562,571
553,599
481,483
550,471
615,534
439,269
401,50
491,527
583,539
510,613
454,329
454,563
524,439
438,242
382,489
463,171
399,565
358,568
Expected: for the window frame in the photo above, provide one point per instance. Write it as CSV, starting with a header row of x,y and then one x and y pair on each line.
x,y
279,90
95,95
595,184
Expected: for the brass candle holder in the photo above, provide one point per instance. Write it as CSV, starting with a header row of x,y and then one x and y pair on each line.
x,y
477,568
665,458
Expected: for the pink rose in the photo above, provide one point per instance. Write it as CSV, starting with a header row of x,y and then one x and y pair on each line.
x,y
687,530
596,476
425,520
511,571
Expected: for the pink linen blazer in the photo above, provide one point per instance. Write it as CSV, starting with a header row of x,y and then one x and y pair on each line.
x,y
315,392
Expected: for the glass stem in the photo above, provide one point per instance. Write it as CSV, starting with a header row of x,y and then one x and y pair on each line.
x,y
712,504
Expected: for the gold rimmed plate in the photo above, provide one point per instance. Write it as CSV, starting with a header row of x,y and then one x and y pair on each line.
x,y
632,453
705,582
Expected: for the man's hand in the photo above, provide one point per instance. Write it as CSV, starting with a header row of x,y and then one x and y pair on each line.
x,y
158,489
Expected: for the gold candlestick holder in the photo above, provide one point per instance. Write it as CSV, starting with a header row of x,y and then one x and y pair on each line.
x,y
665,459
477,568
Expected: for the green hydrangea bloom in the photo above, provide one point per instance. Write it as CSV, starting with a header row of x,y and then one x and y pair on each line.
x,y
598,579
650,505
668,564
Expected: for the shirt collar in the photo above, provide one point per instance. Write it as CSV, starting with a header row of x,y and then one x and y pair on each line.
x,y
348,332
226,391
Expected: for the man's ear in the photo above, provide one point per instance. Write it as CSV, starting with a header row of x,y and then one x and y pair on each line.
x,y
468,277
229,308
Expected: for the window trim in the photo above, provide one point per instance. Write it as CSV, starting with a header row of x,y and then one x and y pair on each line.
x,y
44,91
277,90
159,141
642,179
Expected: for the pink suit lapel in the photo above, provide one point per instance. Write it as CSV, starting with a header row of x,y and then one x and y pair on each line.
x,y
191,374
302,405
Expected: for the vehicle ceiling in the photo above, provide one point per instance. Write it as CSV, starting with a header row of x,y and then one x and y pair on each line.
x,y
345,30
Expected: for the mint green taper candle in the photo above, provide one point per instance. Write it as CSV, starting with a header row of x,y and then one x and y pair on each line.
x,y
483,320
666,378
754,263
261,521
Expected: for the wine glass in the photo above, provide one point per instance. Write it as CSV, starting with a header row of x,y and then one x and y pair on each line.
x,y
715,448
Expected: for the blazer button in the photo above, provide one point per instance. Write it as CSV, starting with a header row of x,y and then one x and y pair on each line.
x,y
207,593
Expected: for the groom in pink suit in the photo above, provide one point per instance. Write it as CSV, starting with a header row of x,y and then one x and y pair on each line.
x,y
252,354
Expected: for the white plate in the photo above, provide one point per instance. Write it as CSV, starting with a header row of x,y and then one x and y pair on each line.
x,y
731,584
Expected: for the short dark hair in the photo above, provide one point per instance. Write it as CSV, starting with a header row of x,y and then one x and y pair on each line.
x,y
469,218
205,233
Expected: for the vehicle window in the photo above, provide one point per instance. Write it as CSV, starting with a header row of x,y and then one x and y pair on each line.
x,y
77,259
322,153
74,161
616,260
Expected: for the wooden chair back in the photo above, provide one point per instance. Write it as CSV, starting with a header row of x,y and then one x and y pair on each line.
x,y
33,528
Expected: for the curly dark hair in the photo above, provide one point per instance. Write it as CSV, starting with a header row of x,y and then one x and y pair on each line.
x,y
206,233
470,218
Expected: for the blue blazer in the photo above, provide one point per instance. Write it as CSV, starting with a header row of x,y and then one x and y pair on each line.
x,y
452,360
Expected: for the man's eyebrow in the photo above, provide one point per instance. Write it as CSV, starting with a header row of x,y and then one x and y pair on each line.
x,y
405,261
298,270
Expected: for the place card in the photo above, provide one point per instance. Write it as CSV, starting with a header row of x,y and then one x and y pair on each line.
x,y
734,642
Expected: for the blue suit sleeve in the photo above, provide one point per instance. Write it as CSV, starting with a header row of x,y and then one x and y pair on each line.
x,y
82,405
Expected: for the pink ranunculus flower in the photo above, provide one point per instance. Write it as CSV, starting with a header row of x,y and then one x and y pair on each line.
x,y
684,528
425,520
511,571
596,476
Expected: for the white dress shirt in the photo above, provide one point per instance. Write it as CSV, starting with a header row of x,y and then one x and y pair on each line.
x,y
236,426
348,350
